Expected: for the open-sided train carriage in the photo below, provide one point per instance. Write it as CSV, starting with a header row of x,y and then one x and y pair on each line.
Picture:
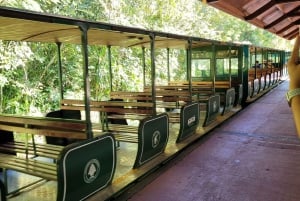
x,y
170,113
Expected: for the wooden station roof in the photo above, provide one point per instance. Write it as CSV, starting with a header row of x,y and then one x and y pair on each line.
x,y
281,17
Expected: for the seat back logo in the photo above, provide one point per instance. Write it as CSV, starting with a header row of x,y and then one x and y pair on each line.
x,y
91,171
155,139
214,106
191,120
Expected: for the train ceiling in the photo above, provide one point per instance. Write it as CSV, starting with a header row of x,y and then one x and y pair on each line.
x,y
21,25
281,17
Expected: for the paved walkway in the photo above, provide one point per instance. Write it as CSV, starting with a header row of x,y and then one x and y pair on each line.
x,y
254,156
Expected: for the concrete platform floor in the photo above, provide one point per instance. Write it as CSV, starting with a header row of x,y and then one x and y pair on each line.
x,y
254,156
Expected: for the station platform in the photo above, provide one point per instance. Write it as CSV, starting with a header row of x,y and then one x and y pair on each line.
x,y
253,156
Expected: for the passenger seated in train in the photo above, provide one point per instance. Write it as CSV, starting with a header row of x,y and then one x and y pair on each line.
x,y
66,114
257,65
115,120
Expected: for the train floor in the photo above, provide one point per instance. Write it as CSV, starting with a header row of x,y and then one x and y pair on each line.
x,y
254,156
248,154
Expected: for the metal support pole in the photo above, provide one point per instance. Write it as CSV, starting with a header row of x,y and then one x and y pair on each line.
x,y
109,66
213,67
189,66
255,65
87,91
60,71
229,66
168,63
144,65
153,76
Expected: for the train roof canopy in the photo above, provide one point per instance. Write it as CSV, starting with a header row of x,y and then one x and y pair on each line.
x,y
21,25
281,17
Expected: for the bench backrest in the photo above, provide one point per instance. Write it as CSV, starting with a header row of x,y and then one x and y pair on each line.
x,y
163,93
55,127
117,107
202,85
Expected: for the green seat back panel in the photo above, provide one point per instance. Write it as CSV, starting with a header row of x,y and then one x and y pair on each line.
x,y
262,83
153,136
85,168
189,120
267,80
229,100
239,94
272,78
212,109
250,90
255,87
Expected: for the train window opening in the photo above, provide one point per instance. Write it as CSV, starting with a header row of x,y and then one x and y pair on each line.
x,y
72,71
201,69
177,65
127,68
223,62
99,72
234,66
201,65
256,61
222,68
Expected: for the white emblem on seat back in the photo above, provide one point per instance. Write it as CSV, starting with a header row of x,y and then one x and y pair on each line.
x,y
155,139
91,170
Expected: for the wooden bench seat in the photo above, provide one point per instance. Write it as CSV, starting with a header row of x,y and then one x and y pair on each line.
x,y
63,170
176,102
72,129
25,156
151,134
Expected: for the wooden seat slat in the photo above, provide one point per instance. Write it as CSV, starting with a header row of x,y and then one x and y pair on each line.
x,y
53,155
29,166
126,138
122,128
127,116
46,132
45,150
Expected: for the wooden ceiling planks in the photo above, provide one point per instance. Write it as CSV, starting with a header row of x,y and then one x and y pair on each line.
x,y
281,17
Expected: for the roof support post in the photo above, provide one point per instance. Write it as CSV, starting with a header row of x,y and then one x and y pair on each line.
x,y
109,66
60,71
230,67
144,65
86,78
168,63
189,66
153,76
213,66
255,64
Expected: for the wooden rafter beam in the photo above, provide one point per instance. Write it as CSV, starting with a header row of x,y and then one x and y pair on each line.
x,y
292,13
292,34
265,8
296,23
260,11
